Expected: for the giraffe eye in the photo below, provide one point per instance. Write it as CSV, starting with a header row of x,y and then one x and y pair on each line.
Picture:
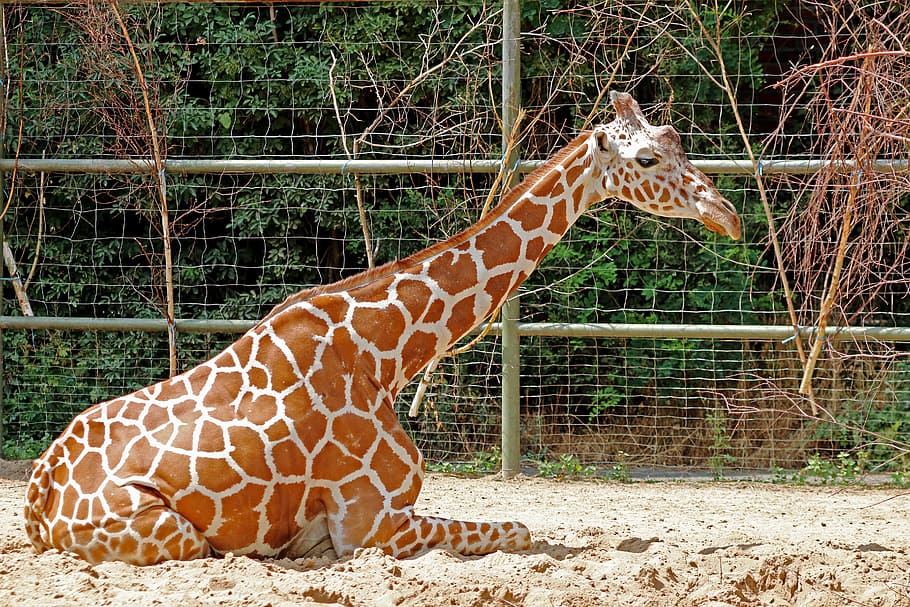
x,y
646,162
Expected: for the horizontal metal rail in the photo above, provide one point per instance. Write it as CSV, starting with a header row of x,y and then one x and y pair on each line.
x,y
593,330
685,331
377,167
142,325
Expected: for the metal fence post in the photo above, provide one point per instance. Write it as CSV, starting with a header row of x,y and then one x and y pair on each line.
x,y
511,101
2,310
4,117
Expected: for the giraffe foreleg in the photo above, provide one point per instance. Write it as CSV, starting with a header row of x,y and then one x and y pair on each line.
x,y
400,532
373,505
419,533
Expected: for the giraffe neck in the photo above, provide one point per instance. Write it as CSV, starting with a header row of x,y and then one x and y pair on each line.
x,y
477,270
407,313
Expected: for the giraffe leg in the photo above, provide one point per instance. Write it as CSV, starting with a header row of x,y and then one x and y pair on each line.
x,y
150,536
403,533
155,535
124,523
419,533
365,513
374,505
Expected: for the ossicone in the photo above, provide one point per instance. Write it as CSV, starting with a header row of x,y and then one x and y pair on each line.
x,y
627,109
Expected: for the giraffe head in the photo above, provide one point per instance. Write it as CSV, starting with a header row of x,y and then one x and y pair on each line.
x,y
646,166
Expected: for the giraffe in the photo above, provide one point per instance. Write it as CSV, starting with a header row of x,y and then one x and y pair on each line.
x,y
286,444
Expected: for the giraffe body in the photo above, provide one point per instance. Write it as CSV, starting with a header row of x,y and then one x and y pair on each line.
x,y
287,442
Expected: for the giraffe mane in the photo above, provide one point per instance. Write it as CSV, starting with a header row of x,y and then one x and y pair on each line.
x,y
368,276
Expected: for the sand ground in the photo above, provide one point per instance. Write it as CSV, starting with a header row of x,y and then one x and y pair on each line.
x,y
596,543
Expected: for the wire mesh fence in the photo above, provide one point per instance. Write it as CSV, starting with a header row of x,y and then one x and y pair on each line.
x,y
421,80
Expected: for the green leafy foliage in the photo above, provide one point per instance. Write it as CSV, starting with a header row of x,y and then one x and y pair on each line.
x,y
842,469
563,466
481,463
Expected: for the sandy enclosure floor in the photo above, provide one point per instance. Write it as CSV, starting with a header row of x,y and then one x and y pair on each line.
x,y
596,543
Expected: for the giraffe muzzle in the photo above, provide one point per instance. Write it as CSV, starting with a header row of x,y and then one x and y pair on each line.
x,y
719,215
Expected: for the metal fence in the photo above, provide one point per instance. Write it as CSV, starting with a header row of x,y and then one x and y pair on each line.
x,y
694,367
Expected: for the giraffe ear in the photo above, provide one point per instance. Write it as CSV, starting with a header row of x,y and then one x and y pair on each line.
x,y
627,109
605,145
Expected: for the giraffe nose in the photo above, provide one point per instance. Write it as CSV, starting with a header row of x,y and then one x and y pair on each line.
x,y
719,215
